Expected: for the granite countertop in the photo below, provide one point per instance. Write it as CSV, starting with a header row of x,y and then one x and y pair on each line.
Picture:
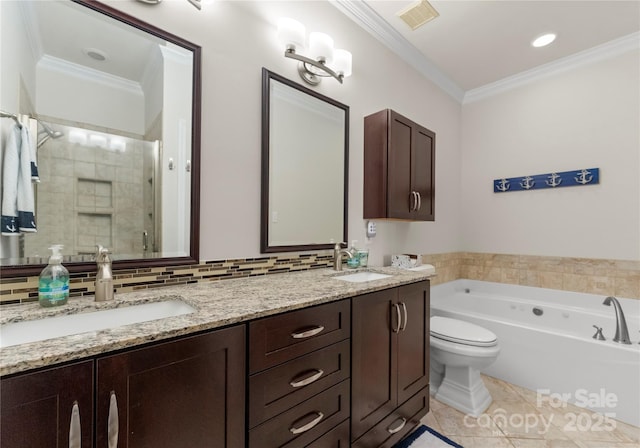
x,y
217,304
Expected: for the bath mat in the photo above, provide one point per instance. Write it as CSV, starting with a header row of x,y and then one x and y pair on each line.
x,y
425,437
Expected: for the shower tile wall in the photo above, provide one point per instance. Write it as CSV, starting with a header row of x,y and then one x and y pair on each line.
x,y
88,195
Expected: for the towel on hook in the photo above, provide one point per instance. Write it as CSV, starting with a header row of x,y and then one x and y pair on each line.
x,y
35,177
17,191
26,203
11,168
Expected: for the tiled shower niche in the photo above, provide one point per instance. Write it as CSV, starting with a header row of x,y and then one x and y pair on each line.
x,y
91,194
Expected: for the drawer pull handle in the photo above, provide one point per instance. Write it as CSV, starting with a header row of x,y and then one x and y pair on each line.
x,y
308,333
308,380
112,423
308,426
398,428
398,318
406,317
75,432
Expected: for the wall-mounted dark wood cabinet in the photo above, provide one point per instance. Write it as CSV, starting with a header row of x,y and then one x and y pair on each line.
x,y
399,168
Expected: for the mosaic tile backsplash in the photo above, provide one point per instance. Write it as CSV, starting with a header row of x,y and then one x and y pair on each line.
x,y
596,276
25,289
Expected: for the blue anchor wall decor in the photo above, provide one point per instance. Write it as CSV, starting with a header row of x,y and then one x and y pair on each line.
x,y
589,176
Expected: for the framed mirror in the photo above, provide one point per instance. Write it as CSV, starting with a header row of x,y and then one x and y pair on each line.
x,y
112,106
305,161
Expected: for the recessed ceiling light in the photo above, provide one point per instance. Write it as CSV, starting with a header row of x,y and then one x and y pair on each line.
x,y
95,54
543,40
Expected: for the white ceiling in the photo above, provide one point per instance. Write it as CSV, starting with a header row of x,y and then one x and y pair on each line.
x,y
478,43
64,31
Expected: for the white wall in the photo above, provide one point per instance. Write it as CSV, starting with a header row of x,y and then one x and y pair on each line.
x,y
238,39
93,101
588,117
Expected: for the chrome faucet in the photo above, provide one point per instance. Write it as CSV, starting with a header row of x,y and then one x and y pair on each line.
x,y
622,333
337,256
104,276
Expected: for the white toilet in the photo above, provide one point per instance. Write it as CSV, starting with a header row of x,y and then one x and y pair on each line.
x,y
459,350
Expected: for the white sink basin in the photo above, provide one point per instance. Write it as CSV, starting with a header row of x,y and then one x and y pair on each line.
x,y
53,327
360,277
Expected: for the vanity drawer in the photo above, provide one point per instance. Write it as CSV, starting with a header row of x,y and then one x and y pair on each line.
x,y
277,339
386,433
301,425
338,437
280,388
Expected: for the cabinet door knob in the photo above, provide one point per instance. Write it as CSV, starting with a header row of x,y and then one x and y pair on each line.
x,y
308,426
397,428
414,200
307,333
398,318
112,425
419,200
403,326
75,432
308,380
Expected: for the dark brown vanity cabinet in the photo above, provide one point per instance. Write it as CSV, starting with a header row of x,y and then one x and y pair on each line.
x,y
390,364
299,366
36,409
399,168
183,393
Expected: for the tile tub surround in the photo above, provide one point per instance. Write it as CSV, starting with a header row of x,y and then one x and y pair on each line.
x,y
217,303
589,275
25,289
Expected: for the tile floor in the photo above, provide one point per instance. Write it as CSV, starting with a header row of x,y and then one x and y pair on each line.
x,y
515,420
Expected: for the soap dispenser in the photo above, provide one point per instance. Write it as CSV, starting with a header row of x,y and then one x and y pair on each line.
x,y
353,261
104,276
53,284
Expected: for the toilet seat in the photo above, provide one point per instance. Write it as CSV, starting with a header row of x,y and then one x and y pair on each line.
x,y
461,332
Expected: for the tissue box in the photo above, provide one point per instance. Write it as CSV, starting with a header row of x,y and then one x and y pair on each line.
x,y
406,261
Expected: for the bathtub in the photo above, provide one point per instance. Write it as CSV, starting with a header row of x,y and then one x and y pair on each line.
x,y
546,342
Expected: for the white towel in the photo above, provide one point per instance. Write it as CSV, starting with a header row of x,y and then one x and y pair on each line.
x,y
35,176
10,172
26,204
17,190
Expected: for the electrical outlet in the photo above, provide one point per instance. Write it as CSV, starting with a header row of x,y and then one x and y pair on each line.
x,y
371,229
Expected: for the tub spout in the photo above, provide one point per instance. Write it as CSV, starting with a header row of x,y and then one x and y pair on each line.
x,y
622,333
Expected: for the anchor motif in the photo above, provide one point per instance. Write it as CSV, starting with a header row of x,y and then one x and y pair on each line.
x,y
503,185
584,177
554,180
12,228
527,182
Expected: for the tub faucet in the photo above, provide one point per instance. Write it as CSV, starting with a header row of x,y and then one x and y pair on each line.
x,y
622,333
104,276
337,256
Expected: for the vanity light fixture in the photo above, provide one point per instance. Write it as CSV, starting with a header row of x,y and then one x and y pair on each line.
x,y
322,60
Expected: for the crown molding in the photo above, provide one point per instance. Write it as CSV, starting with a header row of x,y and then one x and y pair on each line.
x,y
32,29
369,20
80,71
598,53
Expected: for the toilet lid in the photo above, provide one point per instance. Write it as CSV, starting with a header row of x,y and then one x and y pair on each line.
x,y
461,332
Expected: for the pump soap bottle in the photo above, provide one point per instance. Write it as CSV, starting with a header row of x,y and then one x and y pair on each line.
x,y
53,284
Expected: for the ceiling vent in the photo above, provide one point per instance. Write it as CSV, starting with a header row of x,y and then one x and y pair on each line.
x,y
417,14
